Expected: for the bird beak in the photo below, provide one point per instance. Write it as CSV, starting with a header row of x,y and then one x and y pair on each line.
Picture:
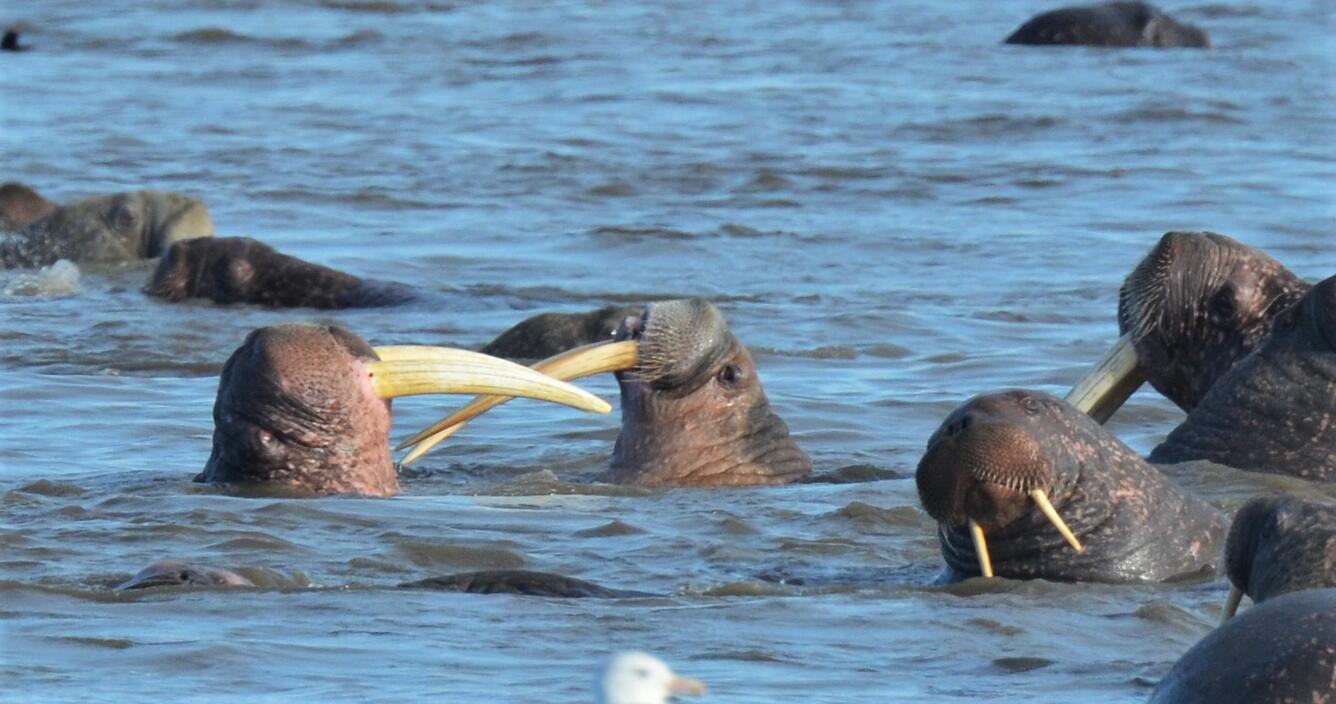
x,y
686,685
571,364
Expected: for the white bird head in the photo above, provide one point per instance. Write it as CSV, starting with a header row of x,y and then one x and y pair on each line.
x,y
634,677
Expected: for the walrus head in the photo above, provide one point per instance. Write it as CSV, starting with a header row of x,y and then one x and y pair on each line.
x,y
21,205
220,269
991,467
693,409
1279,543
173,573
308,407
111,228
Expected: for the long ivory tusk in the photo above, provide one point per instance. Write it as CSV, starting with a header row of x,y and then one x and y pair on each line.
x,y
1041,499
414,370
1231,604
981,549
1110,383
571,364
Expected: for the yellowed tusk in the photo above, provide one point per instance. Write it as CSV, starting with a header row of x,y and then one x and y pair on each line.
x,y
1041,499
414,370
1108,386
1231,604
571,364
686,685
981,549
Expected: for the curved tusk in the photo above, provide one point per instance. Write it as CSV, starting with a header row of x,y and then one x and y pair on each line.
x,y
1110,383
1231,604
571,364
409,370
981,549
1041,499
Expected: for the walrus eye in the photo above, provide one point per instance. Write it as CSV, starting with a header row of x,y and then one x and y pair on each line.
x,y
729,375
125,219
1031,405
1222,305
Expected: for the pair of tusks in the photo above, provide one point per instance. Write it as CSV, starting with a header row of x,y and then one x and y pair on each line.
x,y
556,370
1099,393
410,370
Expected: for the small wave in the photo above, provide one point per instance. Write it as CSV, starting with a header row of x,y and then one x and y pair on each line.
x,y
1161,114
207,36
57,280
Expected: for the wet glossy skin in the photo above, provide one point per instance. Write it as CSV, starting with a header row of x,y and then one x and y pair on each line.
x,y
1134,523
295,408
1281,543
1274,411
20,206
525,582
1197,304
694,412
1281,651
173,573
242,270
112,228
547,334
1111,24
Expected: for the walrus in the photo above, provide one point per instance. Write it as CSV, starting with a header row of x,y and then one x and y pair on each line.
x,y
525,582
1274,411
1110,24
1279,544
1194,306
10,42
694,412
307,407
174,573
547,334
1057,497
20,206
111,228
242,270
1283,650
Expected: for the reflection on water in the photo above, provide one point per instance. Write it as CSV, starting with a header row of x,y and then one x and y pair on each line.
x,y
894,211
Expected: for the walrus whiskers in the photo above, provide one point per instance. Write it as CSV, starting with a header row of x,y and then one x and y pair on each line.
x,y
1231,604
1041,500
571,364
981,549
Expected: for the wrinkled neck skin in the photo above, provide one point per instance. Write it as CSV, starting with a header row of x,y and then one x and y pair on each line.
x,y
1281,544
1275,411
694,438
1196,307
1135,525
265,436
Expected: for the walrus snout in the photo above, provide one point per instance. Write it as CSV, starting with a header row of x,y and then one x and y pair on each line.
x,y
173,573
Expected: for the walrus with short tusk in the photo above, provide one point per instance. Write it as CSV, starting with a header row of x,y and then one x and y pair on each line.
x,y
1283,650
20,206
307,407
1110,24
112,228
1279,544
547,334
1274,411
1194,306
243,270
1024,485
174,573
693,409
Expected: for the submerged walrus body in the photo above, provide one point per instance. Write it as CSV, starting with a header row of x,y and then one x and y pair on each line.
x,y
995,463
1280,544
1274,411
112,228
230,270
1110,24
1281,651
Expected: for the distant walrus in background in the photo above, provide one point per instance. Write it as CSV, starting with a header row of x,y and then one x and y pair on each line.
x,y
1111,24
1280,544
1194,306
307,407
1024,485
173,573
694,412
548,334
10,42
1274,411
20,206
243,270
1281,651
111,228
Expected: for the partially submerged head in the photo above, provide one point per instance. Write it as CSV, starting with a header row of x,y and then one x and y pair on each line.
x,y
174,573
111,228
693,408
547,334
20,206
308,406
1277,544
635,677
1197,304
221,269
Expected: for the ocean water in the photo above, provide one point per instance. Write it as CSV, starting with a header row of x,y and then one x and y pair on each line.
x,y
894,210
